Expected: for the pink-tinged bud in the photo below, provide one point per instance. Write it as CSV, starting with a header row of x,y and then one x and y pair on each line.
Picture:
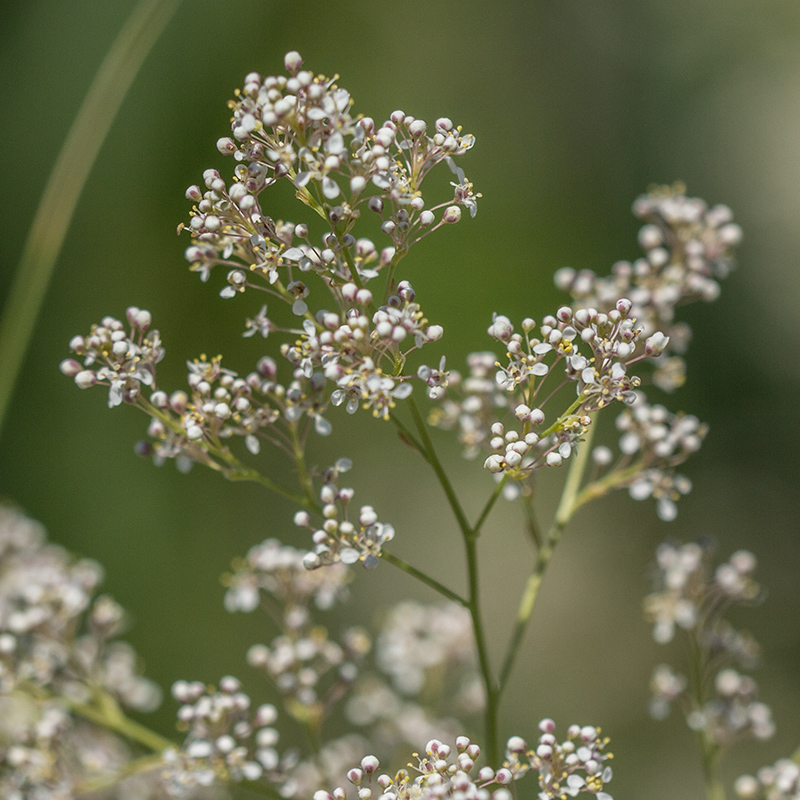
x,y
355,776
494,463
434,333
554,460
77,344
624,306
656,344
139,318
292,61
452,214
226,146
85,379
194,194
178,401
504,776
363,297
417,128
370,764
349,291
70,367
267,368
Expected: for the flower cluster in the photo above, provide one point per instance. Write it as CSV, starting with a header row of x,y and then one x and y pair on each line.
x,y
781,781
690,595
274,570
299,127
594,351
56,636
225,740
296,661
58,657
419,639
568,768
688,250
126,359
342,539
441,773
653,442
360,354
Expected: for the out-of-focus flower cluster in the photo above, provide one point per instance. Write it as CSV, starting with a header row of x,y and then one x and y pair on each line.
x,y
298,660
653,442
781,781
693,595
573,767
427,652
56,636
688,250
226,739
58,654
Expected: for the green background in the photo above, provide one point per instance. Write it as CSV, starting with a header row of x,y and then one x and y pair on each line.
x,y
577,107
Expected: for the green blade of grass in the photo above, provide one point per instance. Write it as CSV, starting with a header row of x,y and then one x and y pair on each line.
x,y
65,184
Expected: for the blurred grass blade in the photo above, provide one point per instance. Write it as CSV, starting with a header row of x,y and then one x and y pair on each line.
x,y
65,184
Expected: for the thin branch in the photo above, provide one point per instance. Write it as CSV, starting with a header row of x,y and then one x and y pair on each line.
x,y
426,579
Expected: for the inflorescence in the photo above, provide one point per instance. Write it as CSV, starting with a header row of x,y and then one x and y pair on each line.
x,y
346,330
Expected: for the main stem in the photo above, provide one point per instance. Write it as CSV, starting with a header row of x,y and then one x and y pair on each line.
x,y
470,534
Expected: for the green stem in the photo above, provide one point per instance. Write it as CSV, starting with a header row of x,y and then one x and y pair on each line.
x,y
425,578
433,460
67,179
110,716
241,473
566,508
710,752
100,782
532,524
409,438
470,535
398,256
491,686
302,470
715,789
559,423
498,490
614,480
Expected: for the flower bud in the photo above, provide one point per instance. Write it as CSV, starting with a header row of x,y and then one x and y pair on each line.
x,y
656,344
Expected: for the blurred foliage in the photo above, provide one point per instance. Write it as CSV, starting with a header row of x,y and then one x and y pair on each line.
x,y
577,108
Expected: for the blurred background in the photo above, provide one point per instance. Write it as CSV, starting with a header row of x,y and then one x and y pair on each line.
x,y
577,107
